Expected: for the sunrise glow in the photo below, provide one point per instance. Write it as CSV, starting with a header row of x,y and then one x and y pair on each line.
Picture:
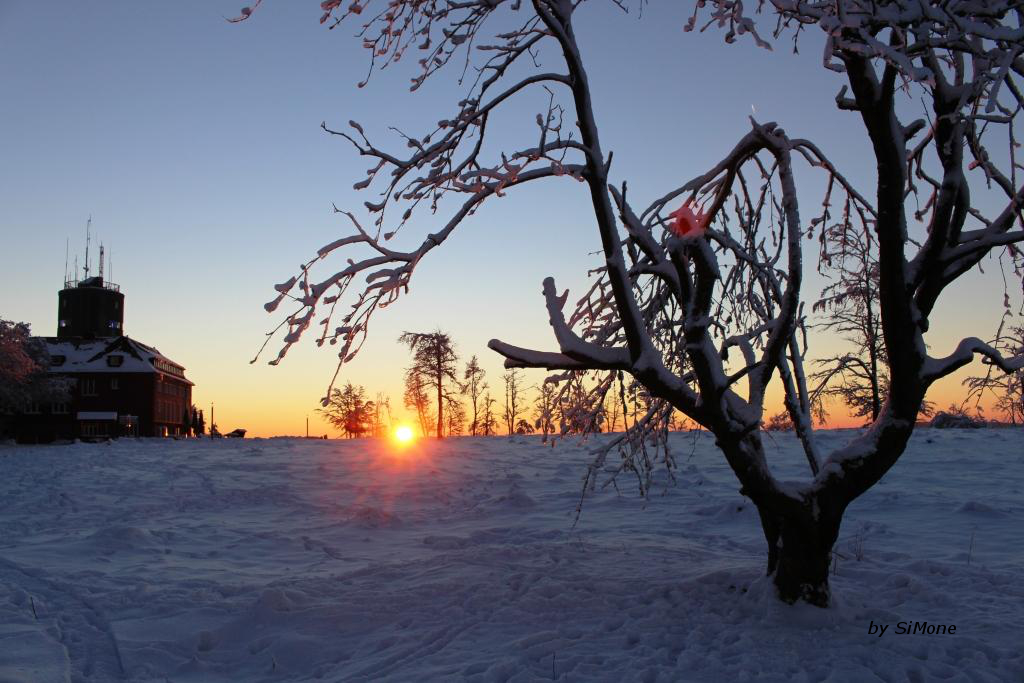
x,y
403,434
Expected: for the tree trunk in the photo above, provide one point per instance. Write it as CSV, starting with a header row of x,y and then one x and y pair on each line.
x,y
800,552
440,398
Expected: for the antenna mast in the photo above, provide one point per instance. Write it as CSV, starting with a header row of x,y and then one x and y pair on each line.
x,y
88,235
67,249
101,260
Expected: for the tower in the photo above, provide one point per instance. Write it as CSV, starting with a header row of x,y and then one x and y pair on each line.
x,y
90,308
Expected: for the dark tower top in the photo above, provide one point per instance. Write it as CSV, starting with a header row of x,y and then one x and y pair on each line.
x,y
90,308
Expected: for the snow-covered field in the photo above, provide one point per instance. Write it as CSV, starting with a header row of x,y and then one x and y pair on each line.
x,y
295,560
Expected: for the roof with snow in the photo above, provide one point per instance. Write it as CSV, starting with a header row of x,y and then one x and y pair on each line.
x,y
117,354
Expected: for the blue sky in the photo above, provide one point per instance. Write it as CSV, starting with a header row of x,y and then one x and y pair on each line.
x,y
195,145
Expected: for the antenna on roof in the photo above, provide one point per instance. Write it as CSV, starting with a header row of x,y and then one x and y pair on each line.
x,y
110,265
88,235
101,260
67,248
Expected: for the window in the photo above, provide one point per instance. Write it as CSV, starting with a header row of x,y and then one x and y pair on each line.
x,y
59,408
32,408
115,384
87,387
57,361
115,360
94,429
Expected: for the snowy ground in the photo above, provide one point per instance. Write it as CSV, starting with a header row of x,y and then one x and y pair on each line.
x,y
294,560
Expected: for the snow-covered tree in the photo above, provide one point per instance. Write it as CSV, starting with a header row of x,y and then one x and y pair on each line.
x,y
698,296
24,370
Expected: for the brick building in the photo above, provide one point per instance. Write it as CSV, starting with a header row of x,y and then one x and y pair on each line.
x,y
119,386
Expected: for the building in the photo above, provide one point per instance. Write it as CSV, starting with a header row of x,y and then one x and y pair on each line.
x,y
119,386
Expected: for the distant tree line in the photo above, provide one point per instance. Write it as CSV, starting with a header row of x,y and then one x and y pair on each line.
x,y
449,401
447,398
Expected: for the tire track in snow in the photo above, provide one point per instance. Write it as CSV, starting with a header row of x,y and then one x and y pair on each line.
x,y
84,632
436,642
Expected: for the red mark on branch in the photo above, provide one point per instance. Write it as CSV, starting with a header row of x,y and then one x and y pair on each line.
x,y
686,223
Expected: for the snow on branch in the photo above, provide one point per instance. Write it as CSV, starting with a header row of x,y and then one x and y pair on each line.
x,y
937,368
451,162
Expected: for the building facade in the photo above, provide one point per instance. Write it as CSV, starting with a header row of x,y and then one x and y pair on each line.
x,y
118,386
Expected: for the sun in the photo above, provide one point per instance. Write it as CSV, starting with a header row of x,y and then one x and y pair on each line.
x,y
403,434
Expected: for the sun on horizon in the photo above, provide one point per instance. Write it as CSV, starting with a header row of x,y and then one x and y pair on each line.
x,y
403,434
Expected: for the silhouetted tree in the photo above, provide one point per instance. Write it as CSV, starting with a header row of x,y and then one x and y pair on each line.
x,y
850,306
524,427
779,422
455,415
1007,388
513,401
379,412
544,409
416,399
473,384
488,421
580,409
348,410
434,362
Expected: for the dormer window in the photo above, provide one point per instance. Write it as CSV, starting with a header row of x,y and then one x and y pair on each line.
x,y
115,360
57,361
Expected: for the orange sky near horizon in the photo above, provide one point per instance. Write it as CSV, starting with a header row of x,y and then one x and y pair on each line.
x,y
196,147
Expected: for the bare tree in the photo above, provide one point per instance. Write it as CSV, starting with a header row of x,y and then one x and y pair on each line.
x,y
455,415
381,418
1007,388
714,267
613,414
488,421
416,398
434,362
513,401
473,384
580,409
544,409
850,306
